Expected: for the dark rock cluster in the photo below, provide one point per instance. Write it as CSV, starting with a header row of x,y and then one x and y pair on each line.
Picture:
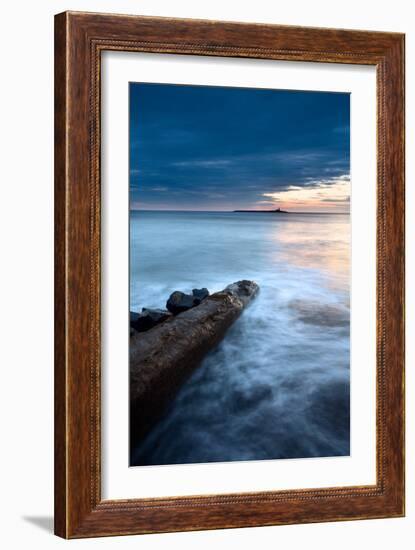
x,y
177,303
148,318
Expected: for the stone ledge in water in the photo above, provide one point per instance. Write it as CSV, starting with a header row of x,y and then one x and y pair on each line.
x,y
179,302
163,357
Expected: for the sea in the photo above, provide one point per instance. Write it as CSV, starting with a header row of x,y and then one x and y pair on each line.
x,y
278,385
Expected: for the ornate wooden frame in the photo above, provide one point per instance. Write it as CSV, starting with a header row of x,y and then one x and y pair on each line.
x,y
79,40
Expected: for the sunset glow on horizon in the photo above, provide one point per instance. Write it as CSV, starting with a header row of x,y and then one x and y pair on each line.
x,y
331,196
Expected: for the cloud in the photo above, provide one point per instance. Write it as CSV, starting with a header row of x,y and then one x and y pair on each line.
x,y
323,194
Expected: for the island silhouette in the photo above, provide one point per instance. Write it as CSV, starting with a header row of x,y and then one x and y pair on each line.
x,y
276,211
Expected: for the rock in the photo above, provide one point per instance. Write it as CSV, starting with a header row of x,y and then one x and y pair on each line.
x,y
243,290
200,294
134,316
312,312
162,358
147,319
156,315
179,302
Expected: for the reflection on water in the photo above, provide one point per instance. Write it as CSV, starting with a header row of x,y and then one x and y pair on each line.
x,y
278,384
317,243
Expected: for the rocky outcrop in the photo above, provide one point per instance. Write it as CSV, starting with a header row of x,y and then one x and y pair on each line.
x,y
179,301
200,294
147,319
164,356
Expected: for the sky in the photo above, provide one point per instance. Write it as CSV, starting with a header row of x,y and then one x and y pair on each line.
x,y
220,148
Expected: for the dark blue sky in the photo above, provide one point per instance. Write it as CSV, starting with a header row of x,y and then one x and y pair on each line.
x,y
219,148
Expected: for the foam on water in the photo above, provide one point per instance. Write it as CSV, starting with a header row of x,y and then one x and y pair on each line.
x,y
278,384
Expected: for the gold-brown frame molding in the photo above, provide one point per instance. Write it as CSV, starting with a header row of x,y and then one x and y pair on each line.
x,y
79,40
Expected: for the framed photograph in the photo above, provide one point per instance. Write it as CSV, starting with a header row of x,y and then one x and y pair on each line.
x,y
229,276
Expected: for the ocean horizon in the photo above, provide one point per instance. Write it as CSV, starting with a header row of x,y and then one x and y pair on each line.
x,y
238,211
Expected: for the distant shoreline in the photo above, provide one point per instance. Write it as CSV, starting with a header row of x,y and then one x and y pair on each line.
x,y
241,211
277,211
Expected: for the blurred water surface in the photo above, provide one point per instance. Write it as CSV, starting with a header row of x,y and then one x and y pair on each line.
x,y
278,384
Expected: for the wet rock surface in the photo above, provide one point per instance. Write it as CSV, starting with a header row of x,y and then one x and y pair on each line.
x,y
179,302
147,319
200,294
164,356
243,290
